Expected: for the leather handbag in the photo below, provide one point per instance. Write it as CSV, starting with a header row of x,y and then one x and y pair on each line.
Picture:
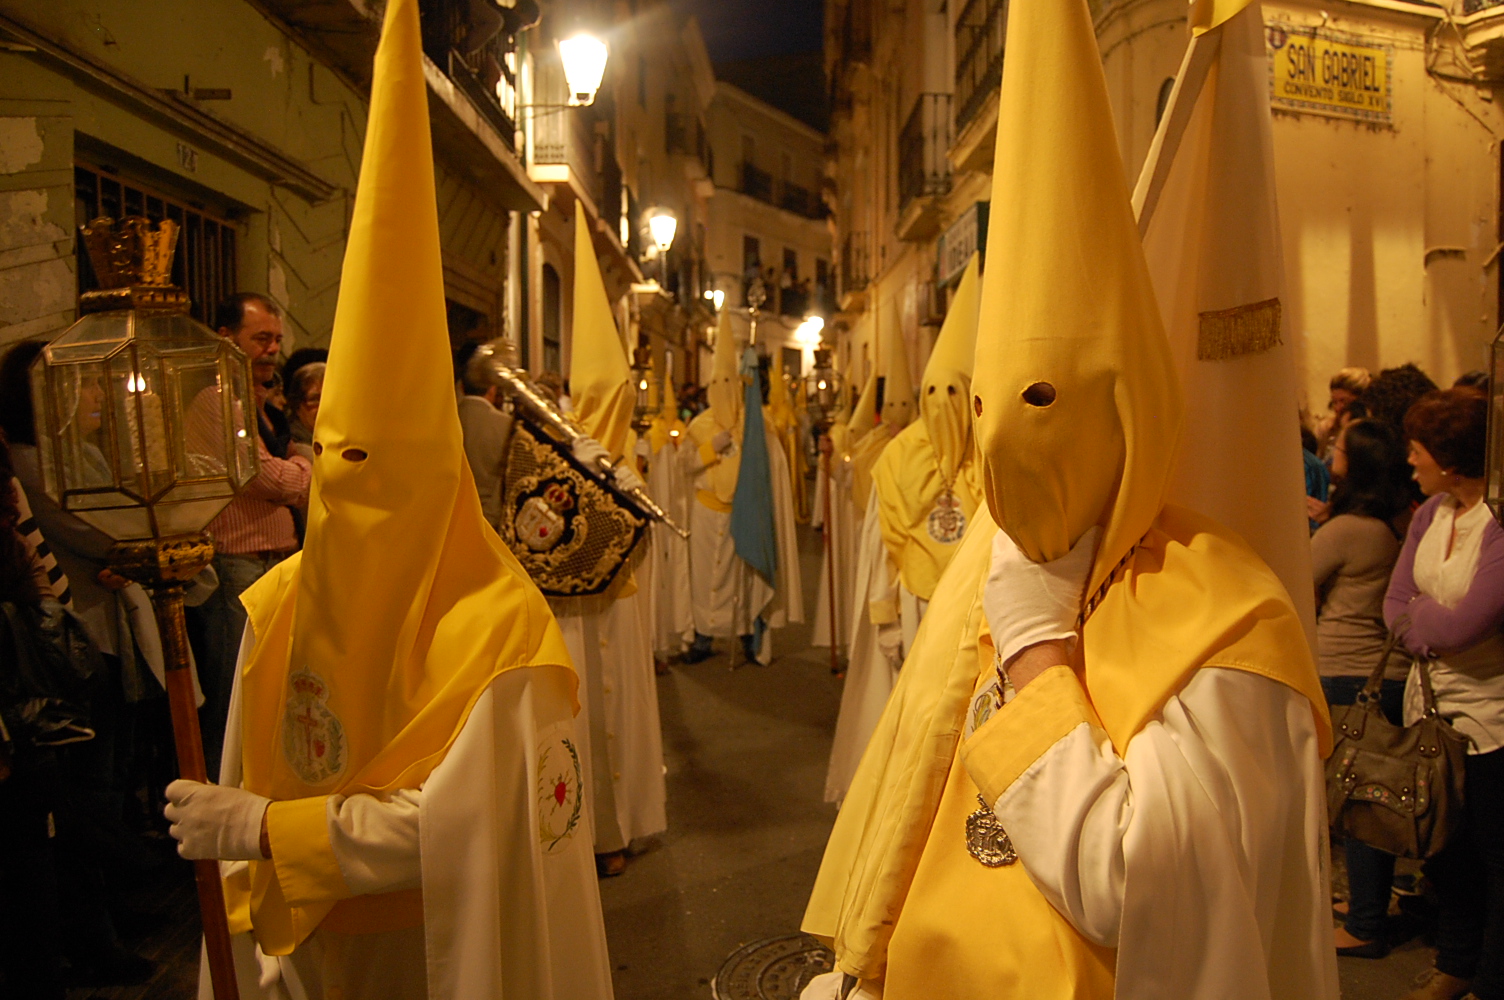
x,y
1397,788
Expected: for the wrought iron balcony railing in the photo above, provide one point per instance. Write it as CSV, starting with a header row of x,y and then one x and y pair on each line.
x,y
980,33
923,170
478,56
757,183
854,263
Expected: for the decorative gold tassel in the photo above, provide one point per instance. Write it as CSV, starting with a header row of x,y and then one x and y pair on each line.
x,y
1232,333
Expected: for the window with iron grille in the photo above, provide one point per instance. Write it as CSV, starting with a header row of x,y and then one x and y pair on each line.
x,y
205,262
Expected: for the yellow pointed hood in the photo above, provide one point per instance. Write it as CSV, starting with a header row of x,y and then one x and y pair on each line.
x,y
667,428
724,393
945,390
864,415
898,379
780,406
1076,401
600,377
373,644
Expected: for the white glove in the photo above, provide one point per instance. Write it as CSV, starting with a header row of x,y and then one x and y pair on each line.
x,y
722,442
589,452
890,643
828,987
628,479
1029,602
644,450
215,821
825,987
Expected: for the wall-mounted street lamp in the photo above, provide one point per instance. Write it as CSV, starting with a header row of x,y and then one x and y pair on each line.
x,y
808,332
662,225
584,58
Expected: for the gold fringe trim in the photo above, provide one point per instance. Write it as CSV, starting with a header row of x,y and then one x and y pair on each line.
x,y
1232,333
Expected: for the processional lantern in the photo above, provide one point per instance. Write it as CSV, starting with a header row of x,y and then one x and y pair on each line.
x,y
822,391
145,431
1494,492
642,382
144,415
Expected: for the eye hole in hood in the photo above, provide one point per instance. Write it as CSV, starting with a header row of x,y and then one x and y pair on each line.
x,y
1040,394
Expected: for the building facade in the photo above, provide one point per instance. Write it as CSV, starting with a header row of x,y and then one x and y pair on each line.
x,y
1389,182
245,124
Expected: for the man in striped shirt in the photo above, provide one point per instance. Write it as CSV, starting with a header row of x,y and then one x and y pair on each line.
x,y
255,530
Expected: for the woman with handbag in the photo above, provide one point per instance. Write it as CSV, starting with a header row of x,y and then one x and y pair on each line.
x,y
1446,604
1352,555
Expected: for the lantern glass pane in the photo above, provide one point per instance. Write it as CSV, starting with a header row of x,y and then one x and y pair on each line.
x,y
146,423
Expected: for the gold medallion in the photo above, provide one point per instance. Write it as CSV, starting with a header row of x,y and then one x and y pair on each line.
x,y
986,839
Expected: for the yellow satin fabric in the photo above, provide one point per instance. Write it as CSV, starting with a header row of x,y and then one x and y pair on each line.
x,y
908,482
404,604
724,469
865,451
600,377
1193,595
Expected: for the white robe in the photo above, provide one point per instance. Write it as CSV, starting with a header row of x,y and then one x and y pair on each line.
x,y
1201,855
727,593
844,531
870,676
621,738
506,915
673,602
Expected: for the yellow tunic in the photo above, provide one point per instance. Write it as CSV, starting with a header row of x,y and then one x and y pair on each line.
x,y
908,483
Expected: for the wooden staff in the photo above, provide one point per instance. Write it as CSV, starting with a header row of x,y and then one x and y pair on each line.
x,y
162,566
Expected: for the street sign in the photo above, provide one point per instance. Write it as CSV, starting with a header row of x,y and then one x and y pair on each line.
x,y
1316,71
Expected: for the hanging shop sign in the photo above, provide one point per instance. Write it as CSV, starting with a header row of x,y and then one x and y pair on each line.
x,y
1317,71
966,236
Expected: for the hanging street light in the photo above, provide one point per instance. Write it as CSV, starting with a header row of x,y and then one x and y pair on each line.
x,y
145,431
663,225
584,58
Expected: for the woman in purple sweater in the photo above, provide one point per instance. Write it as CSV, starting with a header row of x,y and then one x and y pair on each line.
x,y
1446,601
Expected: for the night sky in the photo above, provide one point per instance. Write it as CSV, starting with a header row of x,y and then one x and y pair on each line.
x,y
751,29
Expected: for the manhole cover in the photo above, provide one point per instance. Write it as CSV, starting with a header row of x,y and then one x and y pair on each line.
x,y
772,969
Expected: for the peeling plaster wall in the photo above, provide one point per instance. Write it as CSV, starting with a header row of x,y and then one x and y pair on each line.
x,y
37,282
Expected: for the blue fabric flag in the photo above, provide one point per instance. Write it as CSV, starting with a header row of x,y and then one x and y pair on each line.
x,y
752,527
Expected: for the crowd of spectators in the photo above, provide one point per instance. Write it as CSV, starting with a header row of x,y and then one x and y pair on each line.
x,y
81,809
1405,545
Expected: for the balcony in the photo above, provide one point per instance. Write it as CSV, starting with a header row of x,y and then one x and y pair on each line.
x,y
923,170
478,54
470,117
980,31
801,201
854,269
684,135
757,183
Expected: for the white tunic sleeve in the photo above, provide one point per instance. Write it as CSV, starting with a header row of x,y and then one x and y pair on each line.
x,y
1200,854
376,842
